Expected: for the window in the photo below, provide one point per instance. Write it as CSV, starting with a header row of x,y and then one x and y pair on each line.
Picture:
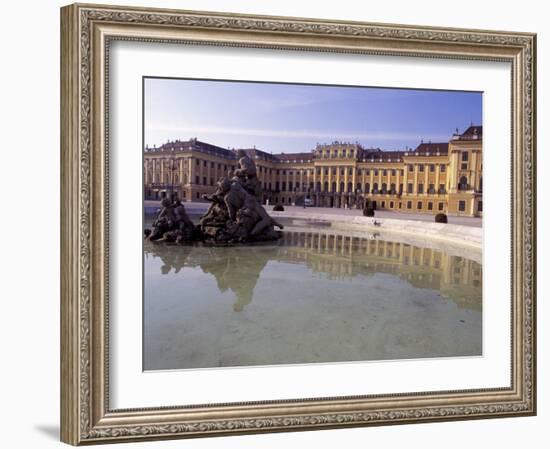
x,y
198,161
410,167
432,168
419,205
204,180
392,188
283,186
290,186
204,164
367,187
350,187
391,204
442,168
384,187
375,172
462,206
277,186
383,205
409,204
384,172
421,168
393,172
375,188
211,181
440,206
198,195
464,156
481,183
464,166
463,183
341,187
333,187
480,206
430,206
409,187
441,188
421,188
197,180
431,189
351,171
211,164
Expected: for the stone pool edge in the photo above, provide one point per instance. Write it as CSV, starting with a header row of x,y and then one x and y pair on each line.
x,y
450,233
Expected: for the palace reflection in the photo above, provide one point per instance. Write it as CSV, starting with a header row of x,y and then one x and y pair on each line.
x,y
336,256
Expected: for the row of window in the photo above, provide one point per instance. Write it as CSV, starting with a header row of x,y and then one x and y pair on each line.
x,y
336,153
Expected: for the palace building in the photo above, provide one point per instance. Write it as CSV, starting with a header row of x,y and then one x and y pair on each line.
x,y
434,177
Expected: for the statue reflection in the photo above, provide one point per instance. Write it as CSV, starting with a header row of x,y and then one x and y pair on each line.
x,y
336,256
237,272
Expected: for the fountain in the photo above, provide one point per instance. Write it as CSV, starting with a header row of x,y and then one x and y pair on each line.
x,y
235,214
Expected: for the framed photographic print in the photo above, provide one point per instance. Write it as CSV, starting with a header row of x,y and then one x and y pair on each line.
x,y
280,224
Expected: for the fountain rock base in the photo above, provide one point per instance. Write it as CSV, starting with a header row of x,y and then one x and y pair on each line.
x,y
235,216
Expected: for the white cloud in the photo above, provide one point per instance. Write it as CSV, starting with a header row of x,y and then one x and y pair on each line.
x,y
306,133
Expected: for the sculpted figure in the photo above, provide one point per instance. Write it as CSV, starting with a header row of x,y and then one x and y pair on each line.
x,y
236,197
164,222
216,215
172,224
246,174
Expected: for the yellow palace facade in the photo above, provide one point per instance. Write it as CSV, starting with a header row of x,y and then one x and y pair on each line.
x,y
434,177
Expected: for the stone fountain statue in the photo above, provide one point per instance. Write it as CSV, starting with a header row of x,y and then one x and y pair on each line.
x,y
235,214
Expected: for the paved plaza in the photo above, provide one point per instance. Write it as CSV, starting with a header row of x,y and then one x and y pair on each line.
x,y
198,207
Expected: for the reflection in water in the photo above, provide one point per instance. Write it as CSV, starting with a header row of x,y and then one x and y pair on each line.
x,y
338,256
313,296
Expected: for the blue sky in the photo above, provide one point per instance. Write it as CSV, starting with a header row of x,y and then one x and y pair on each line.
x,y
293,118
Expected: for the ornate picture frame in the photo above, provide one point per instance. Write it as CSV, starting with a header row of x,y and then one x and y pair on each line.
x,y
86,34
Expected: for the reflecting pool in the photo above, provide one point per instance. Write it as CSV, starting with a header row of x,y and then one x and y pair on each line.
x,y
313,296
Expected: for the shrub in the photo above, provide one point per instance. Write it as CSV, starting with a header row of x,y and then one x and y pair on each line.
x,y
441,218
278,208
368,212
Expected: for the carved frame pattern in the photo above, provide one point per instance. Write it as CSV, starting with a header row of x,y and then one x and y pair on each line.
x,y
86,417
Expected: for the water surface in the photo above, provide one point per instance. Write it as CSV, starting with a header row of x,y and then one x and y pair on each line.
x,y
314,296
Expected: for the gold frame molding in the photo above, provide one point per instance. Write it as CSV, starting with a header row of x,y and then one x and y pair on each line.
x,y
86,31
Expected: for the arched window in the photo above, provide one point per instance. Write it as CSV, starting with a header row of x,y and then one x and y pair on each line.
x,y
325,187
392,188
334,186
341,187
318,188
375,188
367,187
350,187
384,187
